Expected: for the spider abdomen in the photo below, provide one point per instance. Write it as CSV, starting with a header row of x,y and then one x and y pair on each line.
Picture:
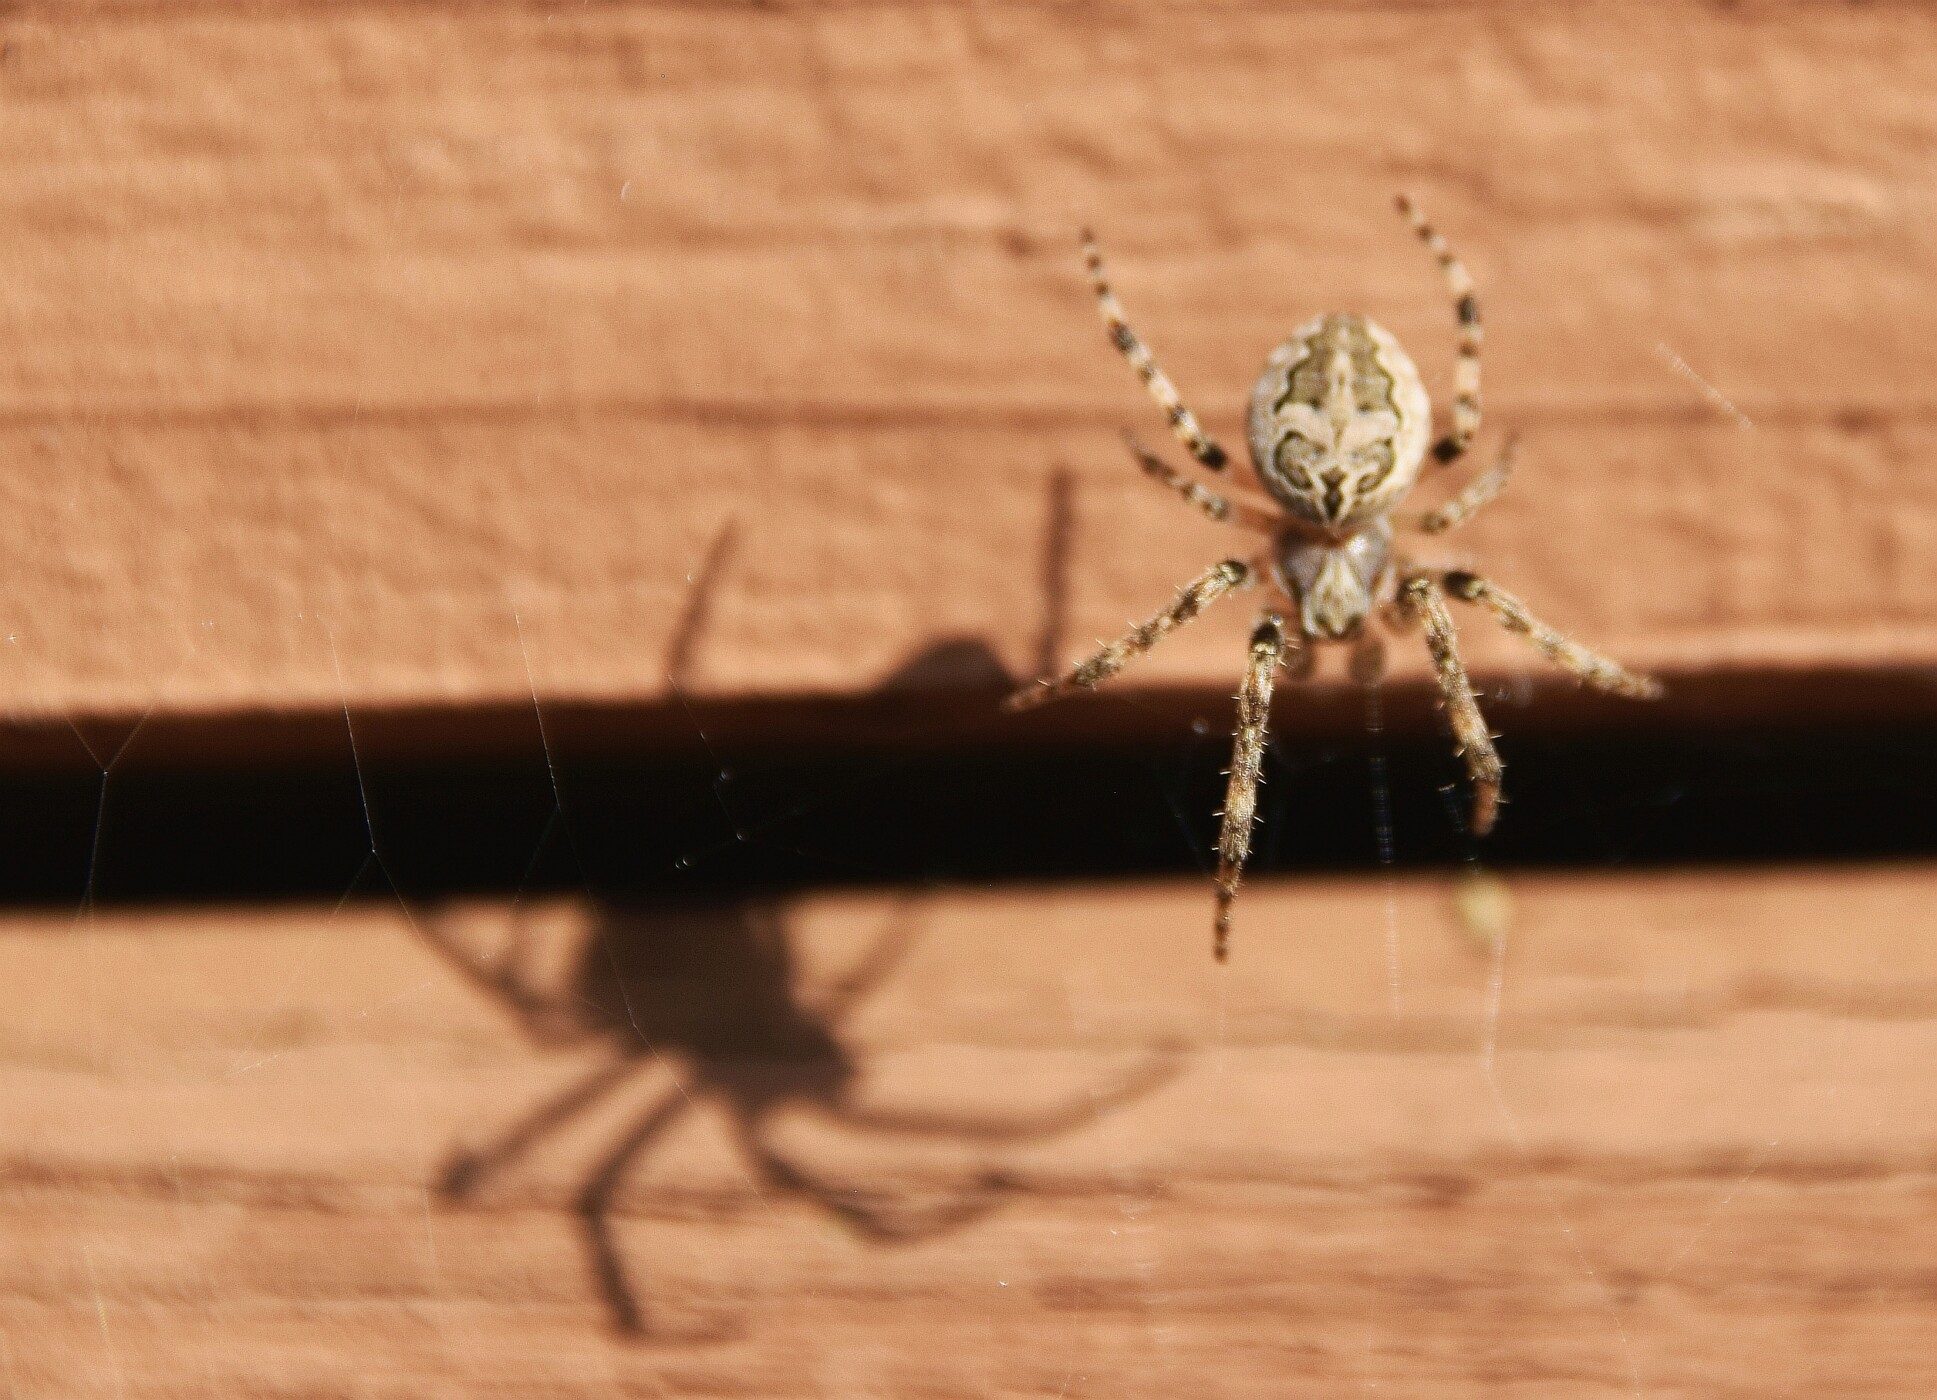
x,y
1339,423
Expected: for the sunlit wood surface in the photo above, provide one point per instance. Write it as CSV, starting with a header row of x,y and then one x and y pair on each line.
x,y
337,333
1674,1137
464,361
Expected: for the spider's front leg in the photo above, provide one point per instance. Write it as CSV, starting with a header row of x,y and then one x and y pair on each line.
x,y
1479,492
1182,421
1466,310
1269,644
1421,597
1224,509
1197,595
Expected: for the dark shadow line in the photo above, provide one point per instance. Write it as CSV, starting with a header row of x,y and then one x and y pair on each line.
x,y
1059,541
468,1170
697,615
949,815
622,1300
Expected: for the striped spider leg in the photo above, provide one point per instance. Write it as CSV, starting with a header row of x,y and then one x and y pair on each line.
x,y
1466,306
1182,421
1422,598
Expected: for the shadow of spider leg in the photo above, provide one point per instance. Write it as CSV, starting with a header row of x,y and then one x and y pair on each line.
x,y
709,992
594,1207
889,1216
468,1170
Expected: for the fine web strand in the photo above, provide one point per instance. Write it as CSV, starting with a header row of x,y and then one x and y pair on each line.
x,y
363,798
1496,983
1844,1017
101,1320
90,885
403,905
555,819
1566,1227
1489,1069
84,911
247,1060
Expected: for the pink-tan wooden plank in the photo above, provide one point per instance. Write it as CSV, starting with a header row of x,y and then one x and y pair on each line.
x,y
370,323
1676,1139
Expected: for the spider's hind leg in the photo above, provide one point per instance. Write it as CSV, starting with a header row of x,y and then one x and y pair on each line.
x,y
1269,644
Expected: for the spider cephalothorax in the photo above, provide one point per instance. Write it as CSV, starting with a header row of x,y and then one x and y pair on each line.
x,y
1339,428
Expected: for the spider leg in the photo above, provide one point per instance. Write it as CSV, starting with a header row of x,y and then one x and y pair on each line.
x,y
1268,646
1476,493
1595,670
1196,596
1466,372
1182,421
1422,597
1224,508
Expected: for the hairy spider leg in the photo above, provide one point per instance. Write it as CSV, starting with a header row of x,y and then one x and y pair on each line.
x,y
1268,645
1423,598
1480,491
1197,595
1182,421
1222,508
1591,667
1466,306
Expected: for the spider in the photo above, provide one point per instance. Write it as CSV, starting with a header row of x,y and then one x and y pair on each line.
x,y
1339,428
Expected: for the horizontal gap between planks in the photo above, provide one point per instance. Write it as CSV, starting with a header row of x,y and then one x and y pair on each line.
x,y
937,789
949,698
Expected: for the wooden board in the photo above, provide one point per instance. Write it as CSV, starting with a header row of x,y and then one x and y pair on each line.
x,y
457,367
345,339
1674,1136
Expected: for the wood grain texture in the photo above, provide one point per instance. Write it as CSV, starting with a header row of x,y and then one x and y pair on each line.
x,y
339,332
1676,1139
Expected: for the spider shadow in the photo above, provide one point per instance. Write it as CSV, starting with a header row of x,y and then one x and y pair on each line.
x,y
709,990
